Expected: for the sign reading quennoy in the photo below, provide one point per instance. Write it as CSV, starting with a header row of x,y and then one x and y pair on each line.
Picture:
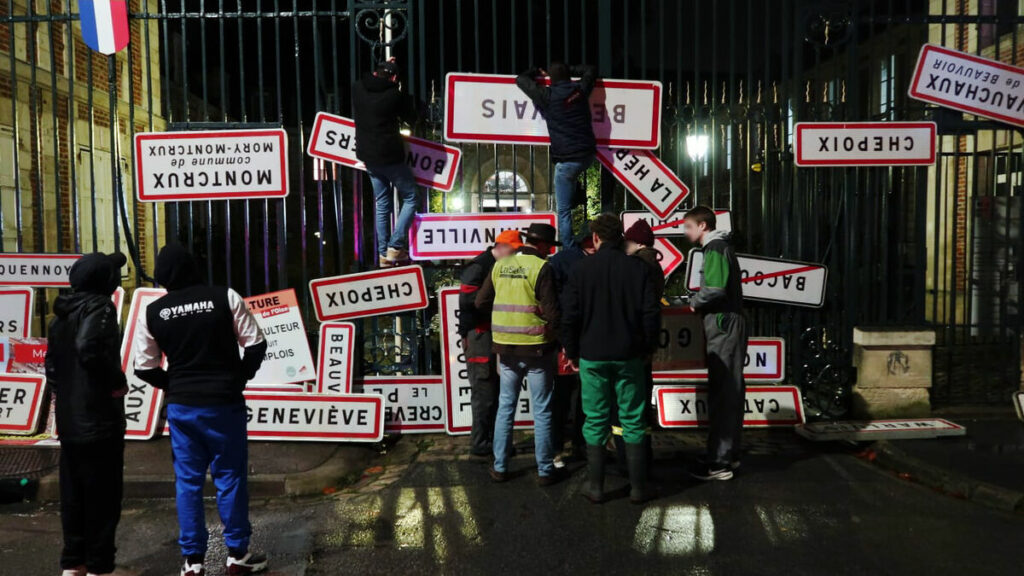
x,y
45,270
970,84
369,293
460,236
211,165
865,143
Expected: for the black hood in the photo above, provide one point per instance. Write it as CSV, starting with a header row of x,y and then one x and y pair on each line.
x,y
378,84
97,273
176,268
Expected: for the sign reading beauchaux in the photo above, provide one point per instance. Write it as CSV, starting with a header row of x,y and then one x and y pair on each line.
x,y
865,144
647,177
970,84
491,108
369,293
47,270
460,236
211,165
770,279
334,139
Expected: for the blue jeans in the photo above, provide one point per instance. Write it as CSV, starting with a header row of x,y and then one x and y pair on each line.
x,y
566,174
211,437
539,371
383,177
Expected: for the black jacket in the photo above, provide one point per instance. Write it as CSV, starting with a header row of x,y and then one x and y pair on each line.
x,y
379,107
83,358
610,312
562,264
652,257
566,108
471,279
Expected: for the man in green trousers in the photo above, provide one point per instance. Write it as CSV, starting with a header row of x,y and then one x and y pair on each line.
x,y
610,323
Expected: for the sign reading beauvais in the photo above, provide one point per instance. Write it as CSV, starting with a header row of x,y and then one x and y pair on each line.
x,y
491,108
211,165
770,279
369,293
434,165
334,364
459,236
865,144
48,270
970,84
288,359
647,177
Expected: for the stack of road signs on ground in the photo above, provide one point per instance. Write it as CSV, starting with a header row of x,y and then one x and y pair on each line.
x,y
770,279
870,430
462,236
763,406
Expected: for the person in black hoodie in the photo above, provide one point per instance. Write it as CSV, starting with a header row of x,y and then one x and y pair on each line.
x,y
565,105
379,107
83,367
199,328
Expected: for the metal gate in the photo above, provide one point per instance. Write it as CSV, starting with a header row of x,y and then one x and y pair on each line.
x,y
921,247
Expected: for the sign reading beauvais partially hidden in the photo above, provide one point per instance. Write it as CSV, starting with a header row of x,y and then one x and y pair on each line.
x,y
46,270
369,293
459,236
770,279
211,165
763,406
672,225
970,84
334,139
865,143
334,364
491,108
647,177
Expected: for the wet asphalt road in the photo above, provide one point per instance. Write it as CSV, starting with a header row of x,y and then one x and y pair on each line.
x,y
814,513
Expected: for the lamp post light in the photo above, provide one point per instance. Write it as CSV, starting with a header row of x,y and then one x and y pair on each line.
x,y
697,146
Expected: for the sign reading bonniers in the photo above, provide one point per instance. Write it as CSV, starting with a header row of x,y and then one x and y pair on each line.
x,y
970,84
369,293
213,165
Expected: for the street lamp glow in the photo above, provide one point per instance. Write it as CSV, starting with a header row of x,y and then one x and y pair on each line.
x,y
456,203
697,146
405,132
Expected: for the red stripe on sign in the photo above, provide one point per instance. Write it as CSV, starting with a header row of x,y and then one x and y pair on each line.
x,y
468,288
783,273
671,224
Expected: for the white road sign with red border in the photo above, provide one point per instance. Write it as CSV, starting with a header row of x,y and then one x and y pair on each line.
x,y
1018,404
16,311
315,417
765,363
369,293
969,83
491,108
647,177
211,165
21,401
867,430
681,341
671,257
672,225
433,164
143,402
288,360
763,406
334,363
865,144
461,236
771,279
412,404
44,270
118,299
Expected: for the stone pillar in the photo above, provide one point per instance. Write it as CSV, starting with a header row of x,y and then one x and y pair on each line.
x,y
894,372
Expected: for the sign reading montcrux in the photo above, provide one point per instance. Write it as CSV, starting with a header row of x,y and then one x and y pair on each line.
x,y
213,165
369,293
865,144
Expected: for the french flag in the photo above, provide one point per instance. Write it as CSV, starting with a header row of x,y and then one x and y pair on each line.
x,y
104,24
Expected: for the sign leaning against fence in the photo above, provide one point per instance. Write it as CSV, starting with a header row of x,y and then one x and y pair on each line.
x,y
288,359
44,270
865,144
369,293
211,165
21,401
460,236
315,417
412,404
15,311
647,177
334,363
770,279
142,403
765,363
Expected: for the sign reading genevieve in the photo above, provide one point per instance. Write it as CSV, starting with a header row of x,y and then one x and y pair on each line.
x,y
865,143
314,417
460,236
369,293
211,165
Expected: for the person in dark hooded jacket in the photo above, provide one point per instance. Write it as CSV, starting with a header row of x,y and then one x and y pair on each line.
x,y
83,367
200,328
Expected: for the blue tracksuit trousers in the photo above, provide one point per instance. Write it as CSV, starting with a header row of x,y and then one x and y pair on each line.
x,y
211,437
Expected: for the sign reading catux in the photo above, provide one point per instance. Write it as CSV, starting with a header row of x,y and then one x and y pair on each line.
x,y
459,236
369,293
865,144
770,279
763,406
211,165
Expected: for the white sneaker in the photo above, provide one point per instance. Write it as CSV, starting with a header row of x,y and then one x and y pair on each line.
x,y
558,462
193,570
248,564
80,571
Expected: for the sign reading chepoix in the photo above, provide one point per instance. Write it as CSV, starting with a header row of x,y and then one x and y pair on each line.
x,y
647,177
412,404
770,279
369,293
143,402
765,361
434,165
672,225
288,358
315,417
334,364
15,311
460,236
671,257
865,143
21,401
457,388
211,165
763,406
491,108
47,270
969,83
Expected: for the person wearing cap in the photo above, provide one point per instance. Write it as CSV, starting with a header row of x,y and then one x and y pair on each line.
x,y
520,293
83,367
379,109
609,325
475,329
200,329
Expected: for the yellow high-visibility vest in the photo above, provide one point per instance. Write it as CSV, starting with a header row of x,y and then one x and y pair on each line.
x,y
515,319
